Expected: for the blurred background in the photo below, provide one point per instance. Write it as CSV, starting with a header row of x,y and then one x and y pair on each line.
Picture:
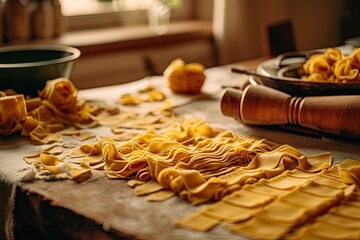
x,y
124,40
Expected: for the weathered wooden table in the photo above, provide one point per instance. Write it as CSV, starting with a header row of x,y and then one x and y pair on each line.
x,y
101,208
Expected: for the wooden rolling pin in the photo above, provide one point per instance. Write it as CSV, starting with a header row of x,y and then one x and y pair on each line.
x,y
261,105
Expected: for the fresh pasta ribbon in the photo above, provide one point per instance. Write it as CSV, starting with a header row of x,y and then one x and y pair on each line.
x,y
290,205
264,165
48,164
12,113
148,94
341,222
41,135
350,173
52,163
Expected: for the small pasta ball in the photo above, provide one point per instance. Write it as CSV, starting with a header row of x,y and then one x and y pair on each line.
x,y
185,78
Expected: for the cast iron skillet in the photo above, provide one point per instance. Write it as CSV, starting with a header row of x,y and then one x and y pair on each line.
x,y
283,73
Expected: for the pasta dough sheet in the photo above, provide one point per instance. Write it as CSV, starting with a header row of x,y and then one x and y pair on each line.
x,y
305,210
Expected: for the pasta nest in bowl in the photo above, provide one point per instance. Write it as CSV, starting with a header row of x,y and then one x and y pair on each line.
x,y
333,66
185,78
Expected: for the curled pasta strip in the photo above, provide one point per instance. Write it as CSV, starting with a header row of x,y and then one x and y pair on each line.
x,y
344,71
333,55
350,173
12,112
318,64
355,58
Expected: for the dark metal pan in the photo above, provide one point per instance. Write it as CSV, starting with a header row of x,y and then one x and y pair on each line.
x,y
283,73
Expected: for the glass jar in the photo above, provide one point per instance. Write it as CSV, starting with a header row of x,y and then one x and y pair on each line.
x,y
16,20
42,19
59,20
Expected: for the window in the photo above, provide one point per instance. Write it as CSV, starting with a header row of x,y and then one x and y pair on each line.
x,y
90,14
87,7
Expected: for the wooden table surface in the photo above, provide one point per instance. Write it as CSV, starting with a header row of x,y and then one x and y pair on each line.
x,y
101,208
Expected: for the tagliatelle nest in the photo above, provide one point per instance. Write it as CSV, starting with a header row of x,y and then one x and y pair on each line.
x,y
185,78
56,107
61,93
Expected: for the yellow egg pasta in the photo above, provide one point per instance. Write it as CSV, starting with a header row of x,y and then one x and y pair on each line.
x,y
12,113
50,166
196,161
287,211
333,66
56,108
147,94
185,78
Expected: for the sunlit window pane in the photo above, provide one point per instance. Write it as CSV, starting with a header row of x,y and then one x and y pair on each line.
x,y
88,7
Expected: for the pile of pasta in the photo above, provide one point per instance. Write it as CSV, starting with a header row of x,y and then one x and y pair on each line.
x,y
65,160
57,113
52,111
194,160
333,66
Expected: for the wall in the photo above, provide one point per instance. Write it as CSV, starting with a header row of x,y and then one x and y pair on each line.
x,y
317,23
118,55
239,25
116,67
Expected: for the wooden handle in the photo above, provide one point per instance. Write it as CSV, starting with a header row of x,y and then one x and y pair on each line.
x,y
333,114
261,105
258,105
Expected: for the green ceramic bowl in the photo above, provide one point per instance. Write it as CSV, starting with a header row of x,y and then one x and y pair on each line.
x,y
26,68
